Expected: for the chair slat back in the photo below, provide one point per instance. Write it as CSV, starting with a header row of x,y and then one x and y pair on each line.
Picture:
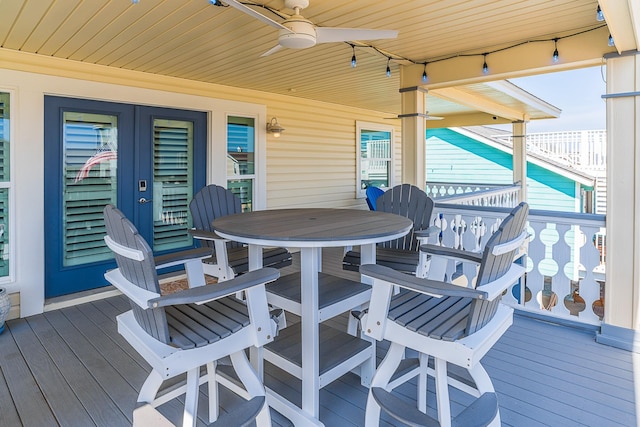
x,y
411,202
493,266
211,202
141,273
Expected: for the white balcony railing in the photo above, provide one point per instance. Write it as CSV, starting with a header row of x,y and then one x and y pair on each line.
x,y
474,194
564,259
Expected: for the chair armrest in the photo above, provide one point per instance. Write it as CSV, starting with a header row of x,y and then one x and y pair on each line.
x,y
425,286
207,293
205,235
427,232
182,257
451,253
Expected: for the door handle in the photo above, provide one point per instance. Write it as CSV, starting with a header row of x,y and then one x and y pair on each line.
x,y
142,200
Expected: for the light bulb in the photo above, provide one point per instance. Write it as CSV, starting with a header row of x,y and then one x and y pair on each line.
x,y
611,41
555,56
388,68
353,61
424,74
599,14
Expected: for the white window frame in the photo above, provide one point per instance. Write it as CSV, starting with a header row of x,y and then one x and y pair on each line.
x,y
379,127
258,188
9,249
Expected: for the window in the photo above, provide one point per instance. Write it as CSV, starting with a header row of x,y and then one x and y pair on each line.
x,y
5,183
375,145
241,153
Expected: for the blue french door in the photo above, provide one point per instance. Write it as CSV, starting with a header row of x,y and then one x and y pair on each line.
x,y
148,161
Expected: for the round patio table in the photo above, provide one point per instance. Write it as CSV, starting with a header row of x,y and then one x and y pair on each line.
x,y
310,229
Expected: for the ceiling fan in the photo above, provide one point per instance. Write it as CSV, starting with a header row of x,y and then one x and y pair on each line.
x,y
297,32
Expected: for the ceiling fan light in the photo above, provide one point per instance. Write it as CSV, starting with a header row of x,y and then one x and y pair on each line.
x,y
303,35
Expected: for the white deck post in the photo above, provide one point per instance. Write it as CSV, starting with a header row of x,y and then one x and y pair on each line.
x,y
622,300
519,131
414,135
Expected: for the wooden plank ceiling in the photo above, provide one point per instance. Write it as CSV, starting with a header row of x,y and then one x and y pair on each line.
x,y
193,39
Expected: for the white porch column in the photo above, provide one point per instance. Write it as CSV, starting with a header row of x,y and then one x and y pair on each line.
x,y
519,131
413,136
622,289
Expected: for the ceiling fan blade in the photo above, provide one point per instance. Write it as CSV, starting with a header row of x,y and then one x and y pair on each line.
x,y
272,50
333,34
246,9
425,116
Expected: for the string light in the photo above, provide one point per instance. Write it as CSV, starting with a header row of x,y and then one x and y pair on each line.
x,y
353,57
611,42
599,14
485,66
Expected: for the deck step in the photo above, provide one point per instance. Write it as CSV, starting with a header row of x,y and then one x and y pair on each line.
x,y
480,413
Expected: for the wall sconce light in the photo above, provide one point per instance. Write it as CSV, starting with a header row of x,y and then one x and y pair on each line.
x,y
274,127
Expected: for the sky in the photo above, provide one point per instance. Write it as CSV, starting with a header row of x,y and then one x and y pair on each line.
x,y
577,93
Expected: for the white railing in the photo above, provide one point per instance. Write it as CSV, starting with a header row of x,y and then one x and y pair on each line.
x,y
583,149
565,258
474,194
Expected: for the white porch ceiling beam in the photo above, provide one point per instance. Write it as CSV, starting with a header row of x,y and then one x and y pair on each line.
x,y
525,97
478,103
468,119
623,20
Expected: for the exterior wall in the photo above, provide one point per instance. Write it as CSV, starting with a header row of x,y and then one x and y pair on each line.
x,y
452,157
311,164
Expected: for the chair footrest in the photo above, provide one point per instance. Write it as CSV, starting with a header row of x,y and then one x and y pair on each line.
x,y
241,415
402,411
480,413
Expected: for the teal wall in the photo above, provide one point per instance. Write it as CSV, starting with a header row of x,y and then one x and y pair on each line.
x,y
452,157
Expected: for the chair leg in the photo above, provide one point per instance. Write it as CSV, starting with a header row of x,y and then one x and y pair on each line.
x,y
381,378
150,387
422,382
212,385
442,392
251,383
190,415
368,367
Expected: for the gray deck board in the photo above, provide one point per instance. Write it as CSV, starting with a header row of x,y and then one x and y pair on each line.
x,y
89,393
28,400
71,367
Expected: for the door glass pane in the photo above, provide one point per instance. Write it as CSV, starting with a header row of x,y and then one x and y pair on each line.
x,y
375,155
89,183
172,183
5,139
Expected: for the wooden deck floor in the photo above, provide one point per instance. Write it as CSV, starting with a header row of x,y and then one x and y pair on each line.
x,y
70,367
